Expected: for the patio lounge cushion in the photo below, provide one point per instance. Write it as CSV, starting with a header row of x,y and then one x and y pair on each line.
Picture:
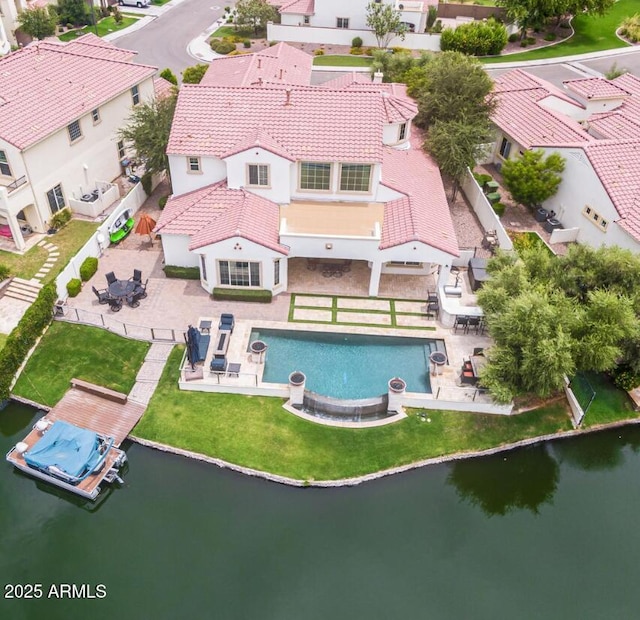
x,y
226,322
219,363
203,346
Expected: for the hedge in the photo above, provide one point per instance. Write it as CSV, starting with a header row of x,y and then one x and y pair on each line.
x,y
74,286
24,336
146,183
475,38
88,268
228,294
186,273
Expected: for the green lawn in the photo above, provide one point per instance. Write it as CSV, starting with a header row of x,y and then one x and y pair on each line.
x,y
104,26
592,34
342,61
69,241
88,353
610,403
528,240
257,432
3,339
231,31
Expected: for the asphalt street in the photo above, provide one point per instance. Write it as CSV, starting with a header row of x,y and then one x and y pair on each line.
x,y
163,43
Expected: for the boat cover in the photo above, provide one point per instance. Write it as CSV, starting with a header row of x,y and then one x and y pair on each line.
x,y
71,449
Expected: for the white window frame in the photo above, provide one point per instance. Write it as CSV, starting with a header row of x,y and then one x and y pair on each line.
x,y
75,131
342,23
122,153
263,175
135,94
5,167
402,132
95,116
313,189
57,194
194,165
355,191
230,270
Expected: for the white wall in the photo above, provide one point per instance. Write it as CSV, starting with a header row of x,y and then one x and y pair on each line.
x,y
280,171
183,181
96,149
176,251
391,133
580,186
334,194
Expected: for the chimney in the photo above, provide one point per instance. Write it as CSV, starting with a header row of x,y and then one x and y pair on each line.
x,y
377,77
288,101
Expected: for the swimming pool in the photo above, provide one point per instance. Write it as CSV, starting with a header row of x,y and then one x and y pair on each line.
x,y
347,365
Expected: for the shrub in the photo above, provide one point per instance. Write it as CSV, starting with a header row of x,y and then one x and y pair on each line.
x,y
227,9
169,75
24,335
319,52
499,208
247,43
432,15
162,203
475,38
222,47
630,28
356,42
625,378
482,178
513,37
194,75
531,40
185,273
523,43
60,218
565,25
74,286
437,27
146,183
369,51
228,294
356,51
88,268
550,36
117,16
4,272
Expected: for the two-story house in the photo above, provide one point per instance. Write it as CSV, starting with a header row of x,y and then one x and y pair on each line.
x,y
61,106
594,124
266,172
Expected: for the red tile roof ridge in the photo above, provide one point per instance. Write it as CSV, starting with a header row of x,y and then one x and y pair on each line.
x,y
595,88
258,137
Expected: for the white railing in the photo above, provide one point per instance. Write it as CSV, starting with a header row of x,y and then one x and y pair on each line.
x,y
564,235
108,194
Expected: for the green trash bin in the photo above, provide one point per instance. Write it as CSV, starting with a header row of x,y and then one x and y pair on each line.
x,y
493,197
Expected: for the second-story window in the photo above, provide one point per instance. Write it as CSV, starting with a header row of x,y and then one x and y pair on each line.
x,y
194,164
342,22
315,176
355,177
402,133
258,174
74,131
95,115
5,169
505,148
135,95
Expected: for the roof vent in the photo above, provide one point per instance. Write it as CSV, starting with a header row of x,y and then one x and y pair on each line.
x,y
288,100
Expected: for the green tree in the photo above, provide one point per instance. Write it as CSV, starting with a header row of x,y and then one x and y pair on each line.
x,y
456,146
487,38
532,178
38,22
454,87
194,75
169,75
255,14
385,22
74,12
147,132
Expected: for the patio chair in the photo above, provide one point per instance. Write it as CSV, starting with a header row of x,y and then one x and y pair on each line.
x,y
461,322
115,304
111,277
219,363
103,296
474,323
141,289
137,276
227,322
133,300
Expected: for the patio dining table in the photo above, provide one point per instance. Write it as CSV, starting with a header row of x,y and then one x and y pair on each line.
x,y
121,289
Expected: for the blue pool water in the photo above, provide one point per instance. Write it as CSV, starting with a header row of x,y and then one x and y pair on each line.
x,y
347,365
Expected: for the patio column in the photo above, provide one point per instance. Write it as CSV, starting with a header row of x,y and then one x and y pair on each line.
x,y
443,276
374,282
16,233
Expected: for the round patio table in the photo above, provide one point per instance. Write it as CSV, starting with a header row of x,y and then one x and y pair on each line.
x,y
121,289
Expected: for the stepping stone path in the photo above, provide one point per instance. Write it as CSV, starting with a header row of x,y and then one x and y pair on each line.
x,y
150,373
27,290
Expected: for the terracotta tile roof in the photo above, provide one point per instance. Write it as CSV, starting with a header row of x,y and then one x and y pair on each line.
x,y
520,116
162,87
615,125
422,214
519,80
309,123
91,45
617,164
279,64
298,7
215,213
259,138
628,82
46,87
595,88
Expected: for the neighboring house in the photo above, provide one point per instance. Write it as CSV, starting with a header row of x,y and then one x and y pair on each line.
x,y
266,171
9,10
594,124
61,106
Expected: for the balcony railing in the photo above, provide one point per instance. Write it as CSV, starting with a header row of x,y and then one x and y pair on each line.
x,y
16,184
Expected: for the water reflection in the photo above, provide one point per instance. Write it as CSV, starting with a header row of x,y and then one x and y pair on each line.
x,y
522,479
17,418
600,451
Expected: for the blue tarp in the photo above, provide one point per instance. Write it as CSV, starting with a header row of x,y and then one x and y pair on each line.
x,y
71,449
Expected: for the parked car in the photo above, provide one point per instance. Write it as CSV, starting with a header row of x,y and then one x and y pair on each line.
x,y
138,3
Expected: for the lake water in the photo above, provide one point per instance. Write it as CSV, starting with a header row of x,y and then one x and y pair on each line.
x,y
546,532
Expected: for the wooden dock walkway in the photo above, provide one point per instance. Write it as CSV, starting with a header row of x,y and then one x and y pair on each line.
x,y
97,413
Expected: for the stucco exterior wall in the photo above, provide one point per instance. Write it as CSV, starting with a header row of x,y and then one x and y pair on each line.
x,y
176,251
183,180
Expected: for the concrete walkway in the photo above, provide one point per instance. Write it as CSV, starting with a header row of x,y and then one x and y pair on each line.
x,y
149,374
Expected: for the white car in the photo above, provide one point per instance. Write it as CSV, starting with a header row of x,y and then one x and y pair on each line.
x,y
138,3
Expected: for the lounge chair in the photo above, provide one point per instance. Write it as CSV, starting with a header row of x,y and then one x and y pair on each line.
x,y
103,296
219,363
227,322
111,277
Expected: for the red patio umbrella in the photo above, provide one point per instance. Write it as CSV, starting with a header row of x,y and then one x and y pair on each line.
x,y
145,226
